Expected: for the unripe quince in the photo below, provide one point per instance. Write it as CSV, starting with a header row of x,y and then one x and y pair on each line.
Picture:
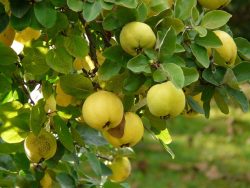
x,y
46,181
85,63
189,112
121,169
133,132
102,110
7,36
62,99
27,35
213,4
42,146
100,57
165,100
228,50
50,104
155,7
136,36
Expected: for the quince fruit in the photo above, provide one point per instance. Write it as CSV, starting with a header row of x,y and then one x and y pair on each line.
x,y
27,35
62,99
84,63
132,132
213,4
7,36
102,110
40,147
228,50
165,100
136,36
121,169
46,181
50,105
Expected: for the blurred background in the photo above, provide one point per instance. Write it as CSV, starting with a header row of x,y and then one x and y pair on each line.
x,y
212,153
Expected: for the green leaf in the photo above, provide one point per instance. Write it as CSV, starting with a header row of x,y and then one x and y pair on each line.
x,y
9,110
34,61
239,97
243,46
45,14
75,5
175,23
23,22
156,127
214,77
5,85
7,55
127,3
201,30
133,82
109,69
59,60
65,180
164,136
13,134
14,121
220,97
37,117
242,71
19,8
119,18
76,46
116,54
91,136
191,75
91,10
215,19
76,85
206,97
230,79
175,74
126,152
6,148
175,59
21,161
94,163
195,15
153,122
183,8
142,12
201,55
109,184
209,41
4,19
139,64
167,45
194,105
160,75
63,133
61,24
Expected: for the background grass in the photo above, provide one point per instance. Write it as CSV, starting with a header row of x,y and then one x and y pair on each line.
x,y
208,153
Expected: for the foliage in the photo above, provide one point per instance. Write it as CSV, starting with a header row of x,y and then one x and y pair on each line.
x,y
75,29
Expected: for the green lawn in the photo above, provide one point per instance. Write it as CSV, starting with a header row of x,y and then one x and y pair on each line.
x,y
211,153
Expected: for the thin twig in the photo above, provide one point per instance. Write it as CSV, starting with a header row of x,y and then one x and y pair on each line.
x,y
92,45
139,105
24,88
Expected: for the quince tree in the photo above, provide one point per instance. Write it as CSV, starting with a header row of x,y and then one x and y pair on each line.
x,y
82,82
